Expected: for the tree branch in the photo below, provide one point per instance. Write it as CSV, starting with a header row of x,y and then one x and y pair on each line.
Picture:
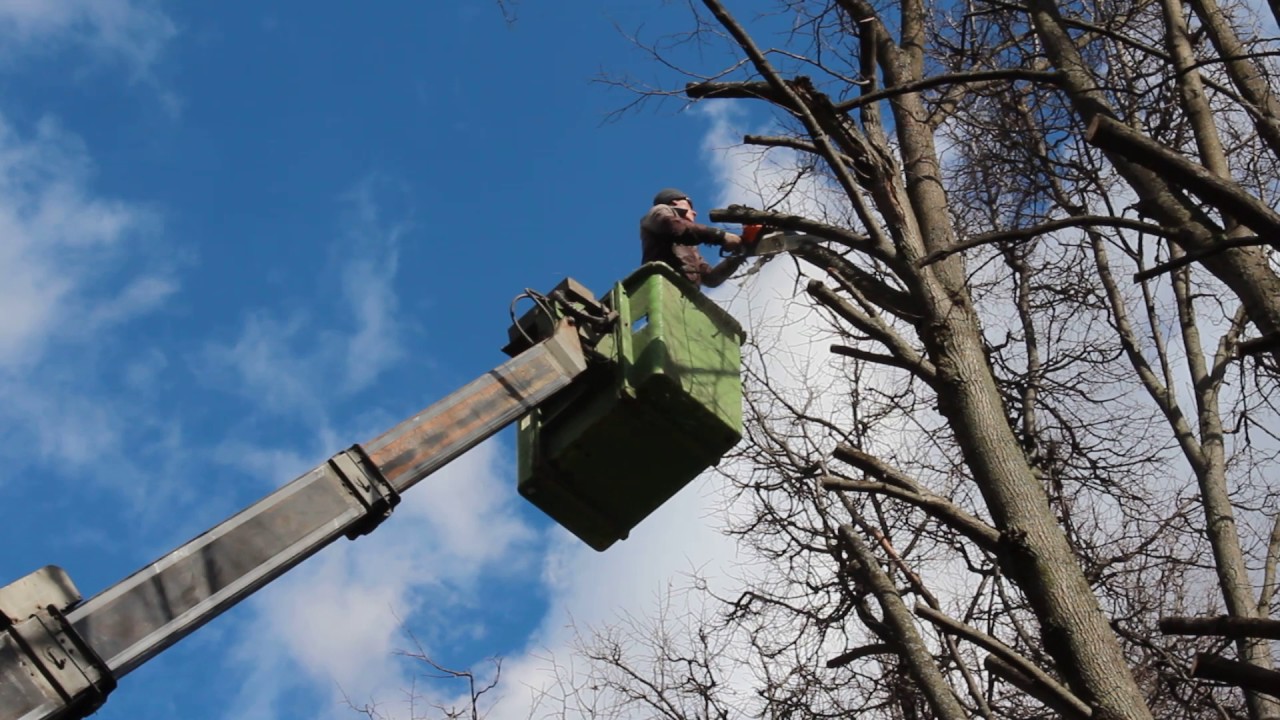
x,y
750,216
1242,675
1027,233
1201,253
1269,571
940,508
1062,696
911,646
1221,626
786,96
1050,77
1229,198
917,364
1030,686
858,653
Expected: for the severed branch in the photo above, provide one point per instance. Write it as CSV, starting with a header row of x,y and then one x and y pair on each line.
x,y
750,216
858,653
1233,672
1033,231
1228,197
872,357
736,91
784,141
1028,685
792,143
980,533
1266,343
1063,700
1221,626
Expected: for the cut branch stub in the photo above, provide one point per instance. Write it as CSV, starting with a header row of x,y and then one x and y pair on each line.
x,y
735,91
1026,684
1221,626
858,653
1234,672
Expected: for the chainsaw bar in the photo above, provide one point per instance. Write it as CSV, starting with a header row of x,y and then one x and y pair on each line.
x,y
775,243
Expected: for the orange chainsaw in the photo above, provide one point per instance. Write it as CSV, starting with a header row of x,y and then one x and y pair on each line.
x,y
762,240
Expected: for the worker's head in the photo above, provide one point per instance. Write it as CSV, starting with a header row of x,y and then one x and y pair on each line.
x,y
677,199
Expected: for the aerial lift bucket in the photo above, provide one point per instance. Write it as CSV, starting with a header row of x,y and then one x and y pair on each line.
x,y
662,404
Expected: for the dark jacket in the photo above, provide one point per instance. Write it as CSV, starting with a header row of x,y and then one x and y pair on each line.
x,y
668,236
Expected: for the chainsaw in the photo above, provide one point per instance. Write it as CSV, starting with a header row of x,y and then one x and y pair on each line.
x,y
763,241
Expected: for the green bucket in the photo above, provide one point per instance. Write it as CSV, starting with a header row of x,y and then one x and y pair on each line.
x,y
665,406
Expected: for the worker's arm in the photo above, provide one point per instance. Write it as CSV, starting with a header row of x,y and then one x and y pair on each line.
x,y
723,270
665,221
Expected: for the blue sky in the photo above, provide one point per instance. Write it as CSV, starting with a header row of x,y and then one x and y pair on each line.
x,y
240,237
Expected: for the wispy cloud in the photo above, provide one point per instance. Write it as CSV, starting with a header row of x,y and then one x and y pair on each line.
x,y
369,258
79,267
294,362
62,246
331,627
132,32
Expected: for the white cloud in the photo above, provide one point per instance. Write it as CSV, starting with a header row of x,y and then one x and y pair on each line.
x,y
133,32
369,260
60,245
78,268
331,626
271,466
293,363
590,589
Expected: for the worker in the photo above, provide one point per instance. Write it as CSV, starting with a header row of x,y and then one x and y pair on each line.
x,y
669,234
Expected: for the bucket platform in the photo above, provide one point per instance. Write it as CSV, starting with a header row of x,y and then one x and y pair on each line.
x,y
661,404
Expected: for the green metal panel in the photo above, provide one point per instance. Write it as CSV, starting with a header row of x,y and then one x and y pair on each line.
x,y
665,405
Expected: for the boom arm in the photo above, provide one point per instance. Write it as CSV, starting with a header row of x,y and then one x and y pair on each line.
x,y
55,665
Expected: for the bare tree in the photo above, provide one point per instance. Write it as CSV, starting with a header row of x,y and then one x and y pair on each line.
x,y
1050,238
419,701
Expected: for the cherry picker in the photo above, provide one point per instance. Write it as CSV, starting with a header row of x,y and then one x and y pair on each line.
x,y
620,401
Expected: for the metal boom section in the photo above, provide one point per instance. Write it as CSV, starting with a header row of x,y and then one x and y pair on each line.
x,y
56,665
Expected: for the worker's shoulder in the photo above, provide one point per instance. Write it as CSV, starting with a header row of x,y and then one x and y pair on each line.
x,y
658,217
662,211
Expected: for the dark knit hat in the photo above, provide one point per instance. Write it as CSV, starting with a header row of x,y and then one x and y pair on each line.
x,y
666,196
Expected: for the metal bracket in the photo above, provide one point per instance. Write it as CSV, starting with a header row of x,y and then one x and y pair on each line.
x,y
363,480
568,299
71,668
57,661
